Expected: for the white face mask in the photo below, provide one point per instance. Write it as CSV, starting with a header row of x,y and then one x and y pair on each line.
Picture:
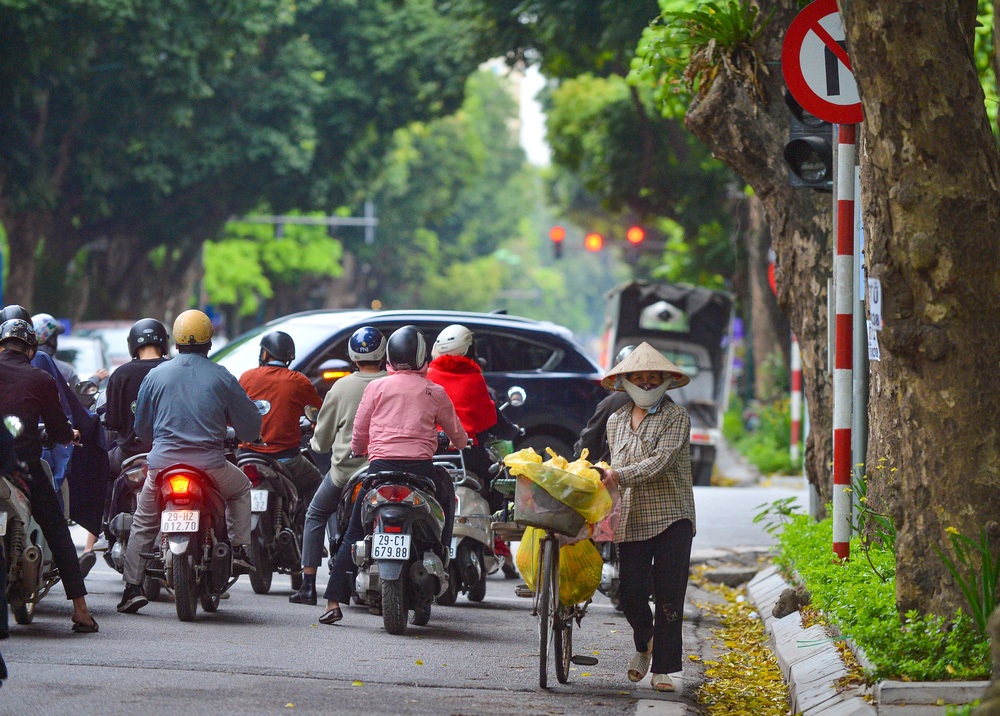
x,y
645,399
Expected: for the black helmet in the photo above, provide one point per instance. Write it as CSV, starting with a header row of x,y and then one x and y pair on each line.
x,y
147,332
279,346
407,349
18,329
13,311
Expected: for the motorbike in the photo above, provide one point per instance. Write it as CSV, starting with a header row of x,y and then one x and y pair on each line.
x,y
277,515
399,562
472,553
194,546
31,572
118,525
610,580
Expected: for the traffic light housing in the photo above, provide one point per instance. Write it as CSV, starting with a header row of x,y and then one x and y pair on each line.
x,y
557,234
809,151
593,242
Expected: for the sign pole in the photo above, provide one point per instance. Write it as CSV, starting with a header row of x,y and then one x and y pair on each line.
x,y
843,368
795,404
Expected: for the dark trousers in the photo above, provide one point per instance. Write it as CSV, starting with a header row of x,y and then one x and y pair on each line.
x,y
657,567
338,587
49,516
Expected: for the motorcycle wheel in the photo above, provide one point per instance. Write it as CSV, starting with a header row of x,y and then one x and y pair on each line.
x,y
23,612
185,588
477,592
422,615
450,595
151,588
394,611
260,578
210,602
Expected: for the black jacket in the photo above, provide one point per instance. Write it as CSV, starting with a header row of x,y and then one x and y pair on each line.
x,y
31,394
123,389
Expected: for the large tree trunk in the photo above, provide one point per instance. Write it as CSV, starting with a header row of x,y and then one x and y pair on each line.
x,y
769,331
24,231
748,133
931,198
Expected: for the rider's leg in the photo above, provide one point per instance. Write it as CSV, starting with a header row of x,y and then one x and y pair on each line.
x,y
234,487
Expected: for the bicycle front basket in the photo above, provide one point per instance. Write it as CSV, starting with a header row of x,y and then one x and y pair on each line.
x,y
535,507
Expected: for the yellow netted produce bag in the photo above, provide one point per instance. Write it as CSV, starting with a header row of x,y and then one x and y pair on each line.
x,y
579,566
576,484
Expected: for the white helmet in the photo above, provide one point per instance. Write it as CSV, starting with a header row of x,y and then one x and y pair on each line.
x,y
45,327
455,340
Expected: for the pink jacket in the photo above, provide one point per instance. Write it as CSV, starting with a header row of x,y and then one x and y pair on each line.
x,y
398,418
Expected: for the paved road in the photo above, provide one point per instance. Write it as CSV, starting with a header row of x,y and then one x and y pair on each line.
x,y
261,654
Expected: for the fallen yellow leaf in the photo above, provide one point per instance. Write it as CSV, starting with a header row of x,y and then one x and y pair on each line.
x,y
419,662
356,683
585,673
289,705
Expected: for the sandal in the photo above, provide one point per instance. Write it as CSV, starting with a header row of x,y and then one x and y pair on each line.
x,y
662,683
638,667
82,628
331,616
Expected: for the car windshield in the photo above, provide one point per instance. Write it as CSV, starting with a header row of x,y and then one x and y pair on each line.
x,y
308,332
83,355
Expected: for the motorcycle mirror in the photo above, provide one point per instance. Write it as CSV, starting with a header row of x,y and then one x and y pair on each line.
x,y
133,407
516,396
86,388
311,413
263,406
14,425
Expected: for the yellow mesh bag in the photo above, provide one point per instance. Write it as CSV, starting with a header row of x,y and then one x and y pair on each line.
x,y
580,566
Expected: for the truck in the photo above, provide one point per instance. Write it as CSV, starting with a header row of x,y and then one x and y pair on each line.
x,y
692,326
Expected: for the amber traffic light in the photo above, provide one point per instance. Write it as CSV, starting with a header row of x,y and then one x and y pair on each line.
x,y
593,242
557,234
635,235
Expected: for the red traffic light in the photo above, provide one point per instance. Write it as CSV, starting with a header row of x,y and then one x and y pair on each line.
x,y
593,242
557,233
635,235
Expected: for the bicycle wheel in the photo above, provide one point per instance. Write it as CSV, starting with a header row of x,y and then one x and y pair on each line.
x,y
563,647
544,584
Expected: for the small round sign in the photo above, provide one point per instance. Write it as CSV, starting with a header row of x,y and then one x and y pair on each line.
x,y
816,65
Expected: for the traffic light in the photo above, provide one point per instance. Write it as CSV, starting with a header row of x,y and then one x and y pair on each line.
x,y
593,242
635,235
809,151
557,234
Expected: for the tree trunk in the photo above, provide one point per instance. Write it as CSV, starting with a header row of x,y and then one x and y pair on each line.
x,y
769,332
748,133
24,231
931,198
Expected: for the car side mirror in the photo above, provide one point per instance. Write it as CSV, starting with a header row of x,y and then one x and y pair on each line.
x,y
333,369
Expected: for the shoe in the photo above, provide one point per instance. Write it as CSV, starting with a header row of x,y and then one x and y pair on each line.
x,y
508,571
331,616
663,682
638,667
241,561
87,562
101,545
305,595
81,628
133,599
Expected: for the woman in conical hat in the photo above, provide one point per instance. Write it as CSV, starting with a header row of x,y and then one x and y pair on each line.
x,y
649,438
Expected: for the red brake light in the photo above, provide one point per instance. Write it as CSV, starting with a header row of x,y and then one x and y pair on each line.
x,y
252,473
392,528
179,484
394,493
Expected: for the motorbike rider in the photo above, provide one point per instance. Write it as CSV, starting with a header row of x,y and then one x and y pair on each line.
x,y
334,427
396,426
148,344
289,392
31,394
183,409
47,331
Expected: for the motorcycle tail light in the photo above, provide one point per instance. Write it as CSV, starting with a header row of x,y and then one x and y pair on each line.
x,y
393,493
252,473
180,485
136,475
700,436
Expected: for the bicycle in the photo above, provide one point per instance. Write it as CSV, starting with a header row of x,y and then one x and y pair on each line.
x,y
555,620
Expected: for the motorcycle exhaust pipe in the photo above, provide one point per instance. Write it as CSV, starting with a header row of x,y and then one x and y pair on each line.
x,y
288,549
222,566
31,567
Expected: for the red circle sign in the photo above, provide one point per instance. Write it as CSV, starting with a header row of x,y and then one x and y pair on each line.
x,y
816,66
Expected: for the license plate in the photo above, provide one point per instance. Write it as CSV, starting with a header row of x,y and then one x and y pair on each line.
x,y
179,521
3,524
258,500
453,550
390,546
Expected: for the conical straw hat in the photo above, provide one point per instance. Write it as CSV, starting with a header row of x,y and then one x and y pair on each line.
x,y
646,358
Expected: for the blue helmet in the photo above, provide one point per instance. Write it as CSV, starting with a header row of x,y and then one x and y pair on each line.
x,y
366,344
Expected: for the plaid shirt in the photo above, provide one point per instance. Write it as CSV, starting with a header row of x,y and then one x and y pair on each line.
x,y
654,465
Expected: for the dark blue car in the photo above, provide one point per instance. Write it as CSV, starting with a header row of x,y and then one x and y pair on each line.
x,y
562,382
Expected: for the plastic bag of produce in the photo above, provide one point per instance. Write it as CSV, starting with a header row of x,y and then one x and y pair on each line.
x,y
580,566
576,484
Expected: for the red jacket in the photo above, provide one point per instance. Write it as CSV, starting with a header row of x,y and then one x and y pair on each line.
x,y
289,392
463,381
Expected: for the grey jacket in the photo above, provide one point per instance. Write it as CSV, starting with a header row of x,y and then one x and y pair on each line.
x,y
183,408
336,424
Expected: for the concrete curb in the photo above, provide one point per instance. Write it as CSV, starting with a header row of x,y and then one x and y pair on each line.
x,y
812,665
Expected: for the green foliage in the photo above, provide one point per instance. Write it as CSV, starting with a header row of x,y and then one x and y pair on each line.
x,y
976,569
875,530
775,515
762,434
863,606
